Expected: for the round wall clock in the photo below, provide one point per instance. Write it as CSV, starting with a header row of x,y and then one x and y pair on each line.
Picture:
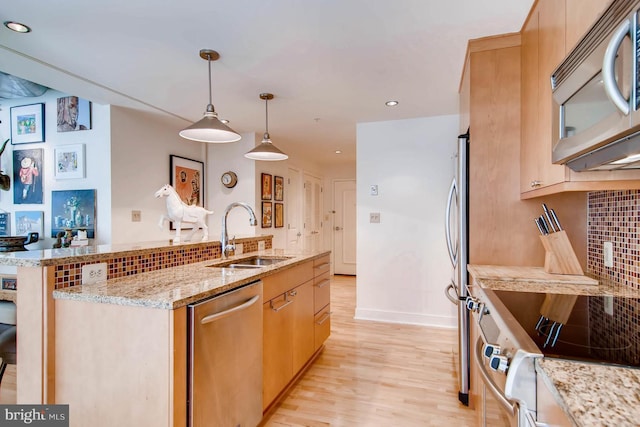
x,y
229,179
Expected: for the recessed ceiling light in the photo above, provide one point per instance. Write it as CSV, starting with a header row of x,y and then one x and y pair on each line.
x,y
338,152
391,103
17,27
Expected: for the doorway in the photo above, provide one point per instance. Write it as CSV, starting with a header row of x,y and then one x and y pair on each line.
x,y
344,227
312,212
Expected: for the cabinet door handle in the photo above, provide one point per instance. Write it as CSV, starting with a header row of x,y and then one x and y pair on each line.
x,y
324,283
212,317
322,266
324,318
286,303
535,183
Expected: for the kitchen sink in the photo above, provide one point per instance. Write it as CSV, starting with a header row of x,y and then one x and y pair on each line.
x,y
251,262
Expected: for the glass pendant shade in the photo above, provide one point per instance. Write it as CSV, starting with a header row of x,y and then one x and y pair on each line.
x,y
209,128
266,151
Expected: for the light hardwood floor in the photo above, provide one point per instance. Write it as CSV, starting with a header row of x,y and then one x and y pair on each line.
x,y
376,374
369,374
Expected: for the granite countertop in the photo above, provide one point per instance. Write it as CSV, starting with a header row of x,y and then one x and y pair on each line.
x,y
593,394
49,257
175,287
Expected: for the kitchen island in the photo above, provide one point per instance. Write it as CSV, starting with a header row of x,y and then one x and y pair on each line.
x,y
588,393
131,326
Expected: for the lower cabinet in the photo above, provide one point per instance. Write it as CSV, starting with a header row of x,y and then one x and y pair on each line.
x,y
295,321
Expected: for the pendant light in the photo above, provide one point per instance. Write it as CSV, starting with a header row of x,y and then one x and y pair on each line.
x,y
266,150
209,128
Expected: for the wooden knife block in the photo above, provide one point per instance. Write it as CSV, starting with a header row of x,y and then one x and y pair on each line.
x,y
560,257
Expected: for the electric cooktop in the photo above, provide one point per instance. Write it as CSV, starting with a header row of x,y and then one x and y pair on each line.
x,y
604,329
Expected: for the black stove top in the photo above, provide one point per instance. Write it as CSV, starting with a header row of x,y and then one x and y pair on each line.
x,y
597,329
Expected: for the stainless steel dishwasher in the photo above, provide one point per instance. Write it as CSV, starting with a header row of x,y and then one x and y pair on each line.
x,y
225,359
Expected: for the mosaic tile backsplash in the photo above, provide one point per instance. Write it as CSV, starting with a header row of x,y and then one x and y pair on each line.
x,y
71,274
614,216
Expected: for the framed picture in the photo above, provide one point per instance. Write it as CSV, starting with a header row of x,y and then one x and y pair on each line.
x,y
27,124
73,114
266,187
74,210
5,224
27,176
29,222
279,214
9,283
278,188
69,161
266,214
187,178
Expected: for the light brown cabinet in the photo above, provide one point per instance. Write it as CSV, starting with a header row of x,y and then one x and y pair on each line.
x,y
550,32
292,332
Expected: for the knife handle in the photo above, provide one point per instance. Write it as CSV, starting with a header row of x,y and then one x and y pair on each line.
x,y
555,219
549,224
539,226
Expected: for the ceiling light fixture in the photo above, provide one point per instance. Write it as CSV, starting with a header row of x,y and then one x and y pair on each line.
x,y
209,128
338,152
391,103
17,27
266,150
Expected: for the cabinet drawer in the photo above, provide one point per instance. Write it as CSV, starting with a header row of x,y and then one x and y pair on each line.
x,y
322,326
321,265
282,281
321,291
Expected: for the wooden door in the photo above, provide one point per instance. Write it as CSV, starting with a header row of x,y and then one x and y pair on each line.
x,y
344,227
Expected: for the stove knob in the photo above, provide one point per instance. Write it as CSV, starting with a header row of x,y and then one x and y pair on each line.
x,y
491,350
499,363
473,304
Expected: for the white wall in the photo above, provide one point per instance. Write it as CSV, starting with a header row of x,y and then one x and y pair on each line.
x,y
141,144
402,262
97,164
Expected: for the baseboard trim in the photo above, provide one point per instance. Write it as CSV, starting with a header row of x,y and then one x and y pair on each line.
x,y
406,318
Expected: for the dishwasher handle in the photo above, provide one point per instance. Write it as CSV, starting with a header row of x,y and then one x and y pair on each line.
x,y
216,316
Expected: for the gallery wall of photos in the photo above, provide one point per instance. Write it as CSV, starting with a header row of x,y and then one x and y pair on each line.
x,y
272,196
70,210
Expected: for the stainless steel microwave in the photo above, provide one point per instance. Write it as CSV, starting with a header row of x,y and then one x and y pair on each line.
x,y
596,95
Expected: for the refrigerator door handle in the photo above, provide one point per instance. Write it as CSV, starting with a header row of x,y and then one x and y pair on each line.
x,y
447,291
453,196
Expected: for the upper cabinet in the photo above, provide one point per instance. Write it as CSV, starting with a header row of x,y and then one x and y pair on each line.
x,y
552,29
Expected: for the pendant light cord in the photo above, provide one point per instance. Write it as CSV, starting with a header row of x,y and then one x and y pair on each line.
x,y
209,62
266,115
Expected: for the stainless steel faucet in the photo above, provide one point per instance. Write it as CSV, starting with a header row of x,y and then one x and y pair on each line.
x,y
224,239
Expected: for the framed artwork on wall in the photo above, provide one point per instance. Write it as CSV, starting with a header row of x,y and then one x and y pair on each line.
x,y
279,215
73,114
266,188
74,210
187,178
9,283
29,222
278,188
267,214
5,224
27,124
69,161
27,176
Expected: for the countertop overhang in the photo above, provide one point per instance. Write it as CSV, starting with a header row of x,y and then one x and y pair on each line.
x,y
175,287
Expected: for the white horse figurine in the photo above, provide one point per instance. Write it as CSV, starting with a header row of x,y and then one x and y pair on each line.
x,y
179,212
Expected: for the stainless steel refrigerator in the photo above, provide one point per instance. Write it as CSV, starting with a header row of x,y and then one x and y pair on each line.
x,y
457,235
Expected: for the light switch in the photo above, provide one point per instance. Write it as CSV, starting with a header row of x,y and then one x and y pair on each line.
x,y
374,217
136,216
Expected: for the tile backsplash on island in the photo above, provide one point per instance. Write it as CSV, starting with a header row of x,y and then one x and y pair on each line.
x,y
614,216
67,275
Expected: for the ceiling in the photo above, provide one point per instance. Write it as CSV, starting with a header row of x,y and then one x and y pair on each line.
x,y
329,63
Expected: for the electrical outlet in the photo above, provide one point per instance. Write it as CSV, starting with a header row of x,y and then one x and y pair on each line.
x,y
261,245
94,273
239,249
136,216
607,252
374,217
608,305
373,190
